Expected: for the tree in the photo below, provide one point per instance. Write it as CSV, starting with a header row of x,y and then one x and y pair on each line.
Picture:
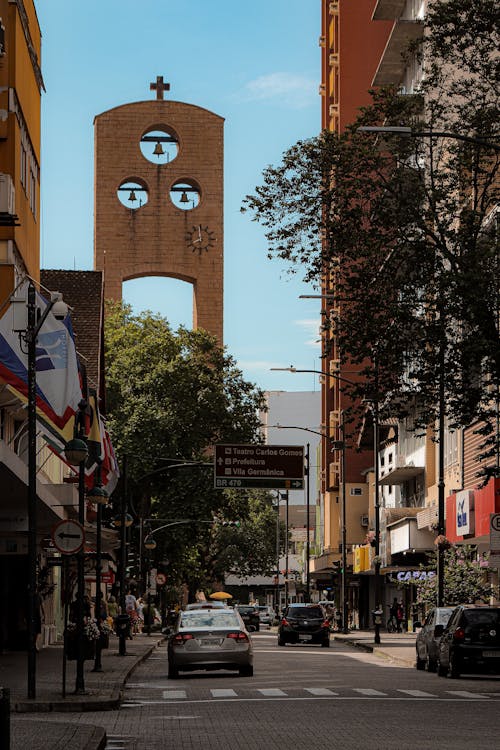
x,y
464,580
404,229
170,398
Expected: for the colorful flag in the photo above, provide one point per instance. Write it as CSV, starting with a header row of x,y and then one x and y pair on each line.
x,y
58,383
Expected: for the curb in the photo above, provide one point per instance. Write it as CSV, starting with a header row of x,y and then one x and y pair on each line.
x,y
374,649
82,705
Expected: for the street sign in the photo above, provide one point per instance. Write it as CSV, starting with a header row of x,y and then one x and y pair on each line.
x,y
68,537
161,579
494,558
259,466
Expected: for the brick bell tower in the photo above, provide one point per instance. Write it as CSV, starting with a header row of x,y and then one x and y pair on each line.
x,y
158,191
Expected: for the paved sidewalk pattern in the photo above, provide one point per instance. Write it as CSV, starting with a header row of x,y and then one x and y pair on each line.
x,y
397,647
102,692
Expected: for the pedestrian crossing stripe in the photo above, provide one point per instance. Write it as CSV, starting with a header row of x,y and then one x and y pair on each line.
x,y
312,692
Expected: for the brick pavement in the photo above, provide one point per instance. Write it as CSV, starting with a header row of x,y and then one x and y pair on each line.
x,y
102,692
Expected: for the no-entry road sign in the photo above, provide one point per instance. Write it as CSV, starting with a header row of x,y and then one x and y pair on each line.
x,y
259,466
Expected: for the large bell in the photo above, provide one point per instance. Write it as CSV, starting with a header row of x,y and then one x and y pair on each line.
x,y
132,197
158,149
184,197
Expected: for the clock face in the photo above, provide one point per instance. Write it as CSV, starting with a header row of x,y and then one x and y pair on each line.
x,y
200,239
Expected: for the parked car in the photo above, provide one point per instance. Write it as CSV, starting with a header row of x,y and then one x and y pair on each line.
x,y
427,643
250,616
266,615
304,623
470,642
209,639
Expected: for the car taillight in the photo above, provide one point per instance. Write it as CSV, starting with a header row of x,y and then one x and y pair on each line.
x,y
325,624
180,638
241,637
459,634
285,621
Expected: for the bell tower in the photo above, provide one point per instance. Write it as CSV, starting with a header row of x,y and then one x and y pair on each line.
x,y
158,191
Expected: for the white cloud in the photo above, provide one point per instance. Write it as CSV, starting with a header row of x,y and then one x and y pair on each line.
x,y
310,327
292,90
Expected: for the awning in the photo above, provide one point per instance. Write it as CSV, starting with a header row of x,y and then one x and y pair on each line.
x,y
402,474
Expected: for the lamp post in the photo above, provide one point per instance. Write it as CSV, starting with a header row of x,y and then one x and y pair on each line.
x,y
407,131
308,501
30,334
76,452
98,495
337,445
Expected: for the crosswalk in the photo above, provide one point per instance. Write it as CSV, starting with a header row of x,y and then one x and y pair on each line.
x,y
200,695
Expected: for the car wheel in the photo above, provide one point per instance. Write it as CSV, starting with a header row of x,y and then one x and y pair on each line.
x,y
281,642
173,672
246,671
430,665
419,663
453,667
441,671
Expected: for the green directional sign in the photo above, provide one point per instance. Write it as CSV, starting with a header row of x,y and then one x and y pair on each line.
x,y
259,467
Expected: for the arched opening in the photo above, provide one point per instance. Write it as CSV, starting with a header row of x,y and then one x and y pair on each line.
x,y
171,298
159,145
132,193
185,194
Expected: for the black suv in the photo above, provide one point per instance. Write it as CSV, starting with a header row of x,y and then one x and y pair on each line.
x,y
250,616
304,623
470,642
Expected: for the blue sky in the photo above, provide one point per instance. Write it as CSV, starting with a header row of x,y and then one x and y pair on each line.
x,y
257,65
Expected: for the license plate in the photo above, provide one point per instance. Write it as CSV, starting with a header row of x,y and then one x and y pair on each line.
x,y
210,642
491,654
305,637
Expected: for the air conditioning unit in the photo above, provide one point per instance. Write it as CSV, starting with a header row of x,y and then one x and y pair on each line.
x,y
7,195
364,521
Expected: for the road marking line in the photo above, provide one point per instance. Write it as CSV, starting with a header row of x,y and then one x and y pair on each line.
x,y
319,691
223,693
466,694
174,694
418,693
272,692
368,691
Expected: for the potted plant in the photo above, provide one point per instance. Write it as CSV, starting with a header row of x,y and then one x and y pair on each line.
x,y
91,633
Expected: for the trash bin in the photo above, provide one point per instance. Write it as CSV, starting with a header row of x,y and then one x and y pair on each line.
x,y
122,626
377,617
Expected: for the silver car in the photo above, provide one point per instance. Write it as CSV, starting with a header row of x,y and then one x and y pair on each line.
x,y
210,639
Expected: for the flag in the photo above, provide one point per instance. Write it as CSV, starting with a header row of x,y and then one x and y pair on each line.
x,y
58,383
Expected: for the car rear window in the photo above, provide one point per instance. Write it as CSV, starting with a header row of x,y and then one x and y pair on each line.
x,y
477,618
246,610
442,616
208,619
305,612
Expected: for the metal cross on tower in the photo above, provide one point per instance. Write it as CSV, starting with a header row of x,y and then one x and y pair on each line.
x,y
159,87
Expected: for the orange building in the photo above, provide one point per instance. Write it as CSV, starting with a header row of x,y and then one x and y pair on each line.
x,y
21,85
351,44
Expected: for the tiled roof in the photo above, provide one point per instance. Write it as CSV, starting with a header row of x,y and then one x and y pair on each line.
x,y
83,292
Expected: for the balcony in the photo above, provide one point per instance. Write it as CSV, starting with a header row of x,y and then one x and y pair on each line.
x,y
401,472
392,64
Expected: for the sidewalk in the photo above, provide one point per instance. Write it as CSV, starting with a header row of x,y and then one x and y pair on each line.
x,y
102,692
397,647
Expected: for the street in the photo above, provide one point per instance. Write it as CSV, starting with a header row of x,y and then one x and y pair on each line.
x,y
300,696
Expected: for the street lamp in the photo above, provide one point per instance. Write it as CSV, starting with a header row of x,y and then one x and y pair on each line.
x,y
98,495
30,334
78,456
307,473
340,445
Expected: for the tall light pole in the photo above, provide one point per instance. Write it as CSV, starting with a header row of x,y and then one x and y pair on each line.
x,y
406,131
341,445
33,327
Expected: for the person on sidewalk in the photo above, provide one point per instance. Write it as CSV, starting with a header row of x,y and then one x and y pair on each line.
x,y
400,616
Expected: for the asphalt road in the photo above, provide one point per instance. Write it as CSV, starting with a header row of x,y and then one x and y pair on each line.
x,y
302,698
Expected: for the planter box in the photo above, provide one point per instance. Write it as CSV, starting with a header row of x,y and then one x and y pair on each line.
x,y
71,643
